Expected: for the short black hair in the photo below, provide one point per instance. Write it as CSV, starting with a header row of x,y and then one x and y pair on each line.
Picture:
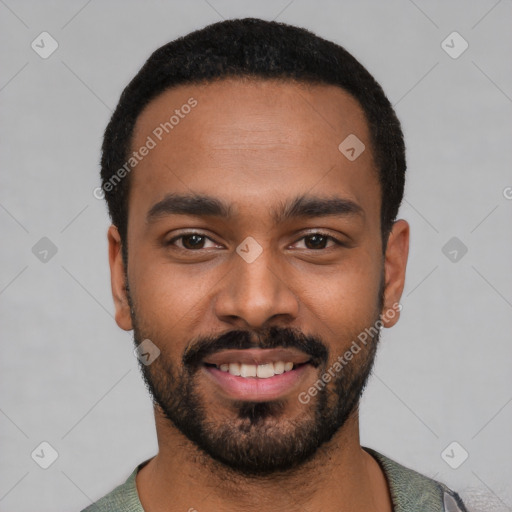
x,y
256,48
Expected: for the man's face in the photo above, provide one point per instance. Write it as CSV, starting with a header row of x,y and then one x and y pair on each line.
x,y
256,279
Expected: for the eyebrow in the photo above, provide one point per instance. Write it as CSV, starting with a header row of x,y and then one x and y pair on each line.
x,y
303,206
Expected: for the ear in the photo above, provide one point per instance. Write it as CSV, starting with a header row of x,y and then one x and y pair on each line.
x,y
395,263
117,279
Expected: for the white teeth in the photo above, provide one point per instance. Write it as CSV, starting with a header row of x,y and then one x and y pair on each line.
x,y
262,371
234,368
248,370
278,367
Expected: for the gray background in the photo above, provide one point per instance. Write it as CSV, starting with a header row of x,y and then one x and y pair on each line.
x,y
67,372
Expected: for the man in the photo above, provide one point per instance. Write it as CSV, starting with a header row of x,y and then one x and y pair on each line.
x,y
253,173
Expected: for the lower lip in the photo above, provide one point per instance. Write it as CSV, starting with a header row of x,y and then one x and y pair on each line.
x,y
256,389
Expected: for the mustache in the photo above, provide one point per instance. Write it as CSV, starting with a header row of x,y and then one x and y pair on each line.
x,y
274,337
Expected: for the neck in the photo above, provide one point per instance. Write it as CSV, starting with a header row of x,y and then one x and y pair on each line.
x,y
340,477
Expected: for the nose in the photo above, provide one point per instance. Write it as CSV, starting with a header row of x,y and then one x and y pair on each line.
x,y
254,293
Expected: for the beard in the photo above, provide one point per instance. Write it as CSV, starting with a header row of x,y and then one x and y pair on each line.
x,y
260,440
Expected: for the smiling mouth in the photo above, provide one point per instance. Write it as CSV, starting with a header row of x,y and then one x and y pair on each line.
x,y
258,374
258,371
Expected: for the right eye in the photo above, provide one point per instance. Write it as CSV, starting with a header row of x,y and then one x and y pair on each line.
x,y
190,241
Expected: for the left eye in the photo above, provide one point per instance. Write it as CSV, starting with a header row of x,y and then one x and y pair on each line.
x,y
318,240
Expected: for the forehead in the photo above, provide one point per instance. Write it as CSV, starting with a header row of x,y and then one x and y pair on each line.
x,y
253,139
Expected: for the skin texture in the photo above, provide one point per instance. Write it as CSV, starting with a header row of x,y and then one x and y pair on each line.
x,y
255,144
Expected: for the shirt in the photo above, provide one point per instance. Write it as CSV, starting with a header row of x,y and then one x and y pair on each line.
x,y
410,491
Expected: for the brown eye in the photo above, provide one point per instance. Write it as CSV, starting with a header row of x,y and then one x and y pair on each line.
x,y
189,241
318,241
193,241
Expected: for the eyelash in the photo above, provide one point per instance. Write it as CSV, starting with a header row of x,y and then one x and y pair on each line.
x,y
189,233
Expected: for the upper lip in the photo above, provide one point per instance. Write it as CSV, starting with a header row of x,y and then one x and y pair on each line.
x,y
257,356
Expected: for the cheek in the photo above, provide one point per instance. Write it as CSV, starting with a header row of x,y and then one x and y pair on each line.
x,y
168,297
350,289
344,303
